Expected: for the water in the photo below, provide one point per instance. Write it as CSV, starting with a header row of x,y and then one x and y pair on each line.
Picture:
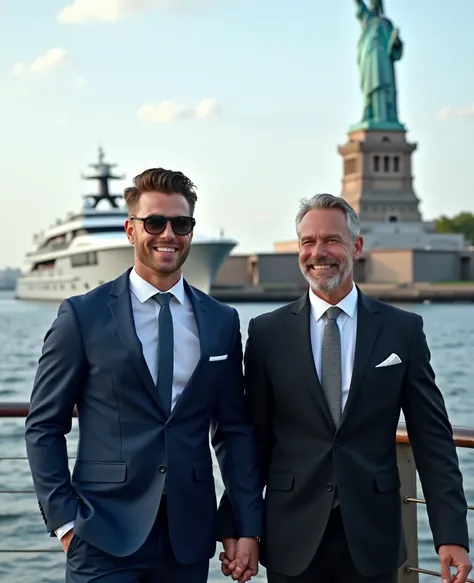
x,y
450,332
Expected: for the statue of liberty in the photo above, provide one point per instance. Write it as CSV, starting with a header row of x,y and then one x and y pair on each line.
x,y
379,48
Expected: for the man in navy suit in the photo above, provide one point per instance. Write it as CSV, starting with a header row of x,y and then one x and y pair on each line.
x,y
152,366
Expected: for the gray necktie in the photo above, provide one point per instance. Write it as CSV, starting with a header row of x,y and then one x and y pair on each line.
x,y
164,383
331,376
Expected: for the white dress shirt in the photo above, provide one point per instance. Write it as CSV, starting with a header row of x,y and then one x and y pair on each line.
x,y
187,350
347,324
146,310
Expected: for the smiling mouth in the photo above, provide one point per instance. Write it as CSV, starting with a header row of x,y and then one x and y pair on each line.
x,y
322,267
169,250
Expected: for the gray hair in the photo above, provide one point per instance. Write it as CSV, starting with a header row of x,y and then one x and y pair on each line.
x,y
328,201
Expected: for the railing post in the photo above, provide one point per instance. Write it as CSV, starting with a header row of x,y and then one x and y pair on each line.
x,y
407,468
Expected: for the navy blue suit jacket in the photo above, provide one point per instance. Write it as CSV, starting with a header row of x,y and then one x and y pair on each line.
x,y
92,359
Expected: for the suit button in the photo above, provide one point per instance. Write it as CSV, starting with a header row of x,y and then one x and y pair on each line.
x,y
329,487
162,469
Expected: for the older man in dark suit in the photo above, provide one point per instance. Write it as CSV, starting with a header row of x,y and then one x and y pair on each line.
x,y
326,379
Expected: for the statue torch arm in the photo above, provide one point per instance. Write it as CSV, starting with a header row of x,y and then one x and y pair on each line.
x,y
362,9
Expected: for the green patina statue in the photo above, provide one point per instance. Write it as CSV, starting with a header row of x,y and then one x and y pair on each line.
x,y
379,47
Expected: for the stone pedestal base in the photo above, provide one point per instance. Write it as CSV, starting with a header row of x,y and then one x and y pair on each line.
x,y
377,175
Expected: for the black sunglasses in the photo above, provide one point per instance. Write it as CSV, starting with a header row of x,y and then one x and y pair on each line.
x,y
156,224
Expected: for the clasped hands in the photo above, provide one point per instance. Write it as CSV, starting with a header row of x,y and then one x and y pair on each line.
x,y
239,559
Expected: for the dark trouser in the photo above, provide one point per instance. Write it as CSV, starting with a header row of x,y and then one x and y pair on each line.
x,y
154,562
332,562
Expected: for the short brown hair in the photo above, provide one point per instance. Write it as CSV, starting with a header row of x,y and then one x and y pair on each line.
x,y
161,180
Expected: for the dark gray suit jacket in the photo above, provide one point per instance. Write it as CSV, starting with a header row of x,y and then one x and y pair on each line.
x,y
305,459
92,359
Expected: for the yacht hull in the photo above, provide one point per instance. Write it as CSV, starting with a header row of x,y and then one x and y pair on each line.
x,y
68,277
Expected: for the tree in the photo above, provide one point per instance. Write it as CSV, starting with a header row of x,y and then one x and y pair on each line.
x,y
461,223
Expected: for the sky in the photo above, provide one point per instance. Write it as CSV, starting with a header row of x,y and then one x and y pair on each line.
x,y
249,98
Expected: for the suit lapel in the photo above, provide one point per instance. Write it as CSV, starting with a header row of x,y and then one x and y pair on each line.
x,y
202,318
120,305
368,328
302,354
204,326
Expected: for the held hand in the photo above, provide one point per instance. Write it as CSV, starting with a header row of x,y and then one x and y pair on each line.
x,y
245,564
454,556
66,540
228,554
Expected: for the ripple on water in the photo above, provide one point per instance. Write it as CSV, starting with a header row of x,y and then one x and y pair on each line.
x,y
8,380
7,393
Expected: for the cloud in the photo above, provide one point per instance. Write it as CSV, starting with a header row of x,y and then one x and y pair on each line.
x,y
164,112
168,111
111,10
53,59
451,112
208,108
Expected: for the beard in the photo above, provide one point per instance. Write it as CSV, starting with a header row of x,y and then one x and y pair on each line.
x,y
148,258
322,282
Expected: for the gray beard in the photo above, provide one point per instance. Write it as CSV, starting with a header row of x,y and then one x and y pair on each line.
x,y
328,284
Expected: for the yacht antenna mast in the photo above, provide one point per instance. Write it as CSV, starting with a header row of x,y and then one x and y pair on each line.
x,y
103,174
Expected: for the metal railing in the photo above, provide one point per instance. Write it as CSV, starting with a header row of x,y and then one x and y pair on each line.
x,y
408,573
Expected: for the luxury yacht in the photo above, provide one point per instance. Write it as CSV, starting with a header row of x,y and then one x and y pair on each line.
x,y
90,247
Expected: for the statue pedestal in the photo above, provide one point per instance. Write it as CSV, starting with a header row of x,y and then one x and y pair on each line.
x,y
379,126
377,175
378,183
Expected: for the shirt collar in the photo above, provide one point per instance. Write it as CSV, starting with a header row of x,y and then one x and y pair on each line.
x,y
348,304
143,290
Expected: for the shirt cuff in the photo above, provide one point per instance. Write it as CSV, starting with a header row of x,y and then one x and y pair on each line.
x,y
62,530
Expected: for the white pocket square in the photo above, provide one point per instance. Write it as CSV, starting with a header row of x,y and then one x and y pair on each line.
x,y
390,361
214,358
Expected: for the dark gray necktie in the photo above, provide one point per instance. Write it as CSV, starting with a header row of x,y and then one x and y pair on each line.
x,y
164,383
331,376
